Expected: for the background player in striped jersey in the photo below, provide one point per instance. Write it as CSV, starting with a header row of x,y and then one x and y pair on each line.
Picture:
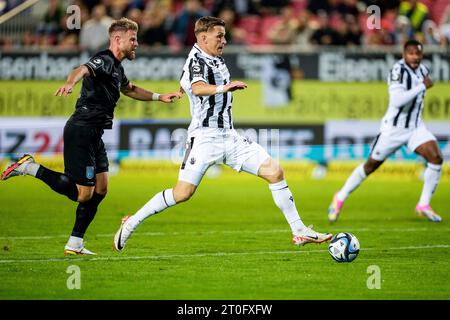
x,y
402,125
212,138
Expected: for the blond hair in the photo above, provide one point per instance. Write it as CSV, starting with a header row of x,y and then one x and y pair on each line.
x,y
123,24
204,24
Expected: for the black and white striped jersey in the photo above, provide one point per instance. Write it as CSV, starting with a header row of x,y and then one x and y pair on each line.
x,y
406,96
207,111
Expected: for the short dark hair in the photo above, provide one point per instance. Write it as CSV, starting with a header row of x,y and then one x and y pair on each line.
x,y
123,24
204,24
412,42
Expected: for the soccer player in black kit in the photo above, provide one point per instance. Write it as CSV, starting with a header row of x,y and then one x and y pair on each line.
x,y
85,177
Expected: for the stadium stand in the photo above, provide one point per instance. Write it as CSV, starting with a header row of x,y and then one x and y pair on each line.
x,y
426,20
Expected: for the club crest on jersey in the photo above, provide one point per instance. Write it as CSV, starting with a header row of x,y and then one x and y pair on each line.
x,y
89,172
192,161
95,63
395,74
395,77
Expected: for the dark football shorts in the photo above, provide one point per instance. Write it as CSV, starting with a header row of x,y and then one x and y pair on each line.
x,y
84,153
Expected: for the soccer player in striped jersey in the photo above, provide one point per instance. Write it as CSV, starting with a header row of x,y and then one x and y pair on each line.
x,y
212,138
402,125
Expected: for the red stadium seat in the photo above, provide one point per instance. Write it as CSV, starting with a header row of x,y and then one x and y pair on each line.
x,y
267,23
299,5
438,10
428,3
363,23
250,23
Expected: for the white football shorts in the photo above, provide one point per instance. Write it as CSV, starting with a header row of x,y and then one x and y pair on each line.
x,y
208,146
390,140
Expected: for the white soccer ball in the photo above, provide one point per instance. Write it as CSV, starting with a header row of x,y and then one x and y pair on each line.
x,y
344,247
319,172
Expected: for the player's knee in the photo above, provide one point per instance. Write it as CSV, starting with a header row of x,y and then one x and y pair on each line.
x,y
436,159
101,190
84,197
182,194
278,174
272,172
369,168
85,194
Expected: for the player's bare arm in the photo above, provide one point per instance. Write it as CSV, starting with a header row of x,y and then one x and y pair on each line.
x,y
201,88
73,78
139,93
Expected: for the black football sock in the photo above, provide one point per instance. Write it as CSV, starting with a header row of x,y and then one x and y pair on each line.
x,y
59,182
85,214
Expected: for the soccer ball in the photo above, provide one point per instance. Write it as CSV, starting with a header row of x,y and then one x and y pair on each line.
x,y
344,247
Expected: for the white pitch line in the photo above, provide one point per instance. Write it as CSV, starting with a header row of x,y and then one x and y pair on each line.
x,y
201,255
333,230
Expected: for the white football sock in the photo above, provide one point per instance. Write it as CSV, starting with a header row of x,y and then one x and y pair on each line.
x,y
356,178
31,169
285,202
75,242
431,179
158,203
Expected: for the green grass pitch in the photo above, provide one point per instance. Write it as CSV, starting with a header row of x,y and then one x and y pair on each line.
x,y
228,242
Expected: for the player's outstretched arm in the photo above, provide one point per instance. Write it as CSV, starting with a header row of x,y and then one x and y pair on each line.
x,y
201,88
73,78
139,93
